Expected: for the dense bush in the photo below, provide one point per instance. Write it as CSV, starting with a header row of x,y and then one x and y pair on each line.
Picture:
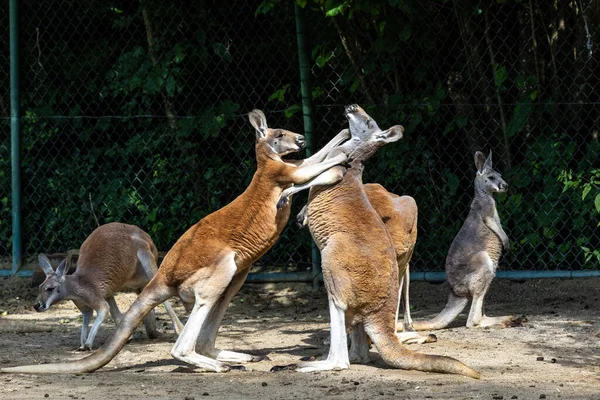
x,y
135,112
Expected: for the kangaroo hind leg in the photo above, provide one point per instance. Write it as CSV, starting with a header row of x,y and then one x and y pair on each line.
x,y
206,343
338,350
207,293
359,345
407,332
479,286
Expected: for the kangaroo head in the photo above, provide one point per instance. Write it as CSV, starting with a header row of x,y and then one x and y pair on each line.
x,y
367,135
487,179
278,141
52,290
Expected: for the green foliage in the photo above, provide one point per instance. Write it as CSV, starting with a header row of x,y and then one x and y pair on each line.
x,y
585,187
155,94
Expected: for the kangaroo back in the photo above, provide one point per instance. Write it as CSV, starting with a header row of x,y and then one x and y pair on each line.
x,y
399,214
109,257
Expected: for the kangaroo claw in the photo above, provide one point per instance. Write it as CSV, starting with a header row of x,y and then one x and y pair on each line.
x,y
282,203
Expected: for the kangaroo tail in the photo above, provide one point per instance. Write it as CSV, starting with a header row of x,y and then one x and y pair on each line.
x,y
154,294
454,306
396,355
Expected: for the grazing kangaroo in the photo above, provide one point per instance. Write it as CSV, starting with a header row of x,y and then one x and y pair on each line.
x,y
115,257
360,269
473,256
399,214
209,263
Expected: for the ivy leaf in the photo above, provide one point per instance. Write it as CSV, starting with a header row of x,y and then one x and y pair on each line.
x,y
586,190
291,110
597,202
336,10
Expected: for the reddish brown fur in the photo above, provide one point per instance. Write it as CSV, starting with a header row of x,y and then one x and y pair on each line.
x,y
359,262
402,227
125,240
197,268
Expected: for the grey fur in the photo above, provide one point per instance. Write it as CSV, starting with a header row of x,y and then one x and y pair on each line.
x,y
473,256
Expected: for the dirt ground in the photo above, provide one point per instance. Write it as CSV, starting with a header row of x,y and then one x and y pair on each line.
x,y
555,355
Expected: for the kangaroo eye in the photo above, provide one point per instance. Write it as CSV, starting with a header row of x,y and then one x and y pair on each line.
x,y
280,136
50,289
491,178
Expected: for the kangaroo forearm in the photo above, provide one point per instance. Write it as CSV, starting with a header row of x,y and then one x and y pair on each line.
x,y
329,177
497,229
322,154
305,174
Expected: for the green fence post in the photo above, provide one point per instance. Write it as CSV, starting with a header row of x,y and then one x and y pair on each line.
x,y
15,138
304,61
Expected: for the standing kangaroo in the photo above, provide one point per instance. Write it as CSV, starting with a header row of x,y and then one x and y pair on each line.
x,y
209,263
399,214
115,257
360,269
473,256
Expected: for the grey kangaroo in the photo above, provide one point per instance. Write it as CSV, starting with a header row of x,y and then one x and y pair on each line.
x,y
115,257
473,256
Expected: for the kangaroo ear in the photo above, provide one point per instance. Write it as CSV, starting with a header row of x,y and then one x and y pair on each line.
x,y
259,122
45,264
61,270
479,161
390,135
488,161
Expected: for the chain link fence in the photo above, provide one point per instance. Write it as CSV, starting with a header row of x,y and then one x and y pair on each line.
x,y
136,112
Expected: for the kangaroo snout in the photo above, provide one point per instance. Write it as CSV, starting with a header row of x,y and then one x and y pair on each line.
x,y
503,186
40,306
300,142
351,108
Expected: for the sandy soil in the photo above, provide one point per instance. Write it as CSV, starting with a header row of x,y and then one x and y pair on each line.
x,y
289,321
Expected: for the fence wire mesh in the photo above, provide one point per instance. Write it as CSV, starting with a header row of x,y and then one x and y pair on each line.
x,y
136,112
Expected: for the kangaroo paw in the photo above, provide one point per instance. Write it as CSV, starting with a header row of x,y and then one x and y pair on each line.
x,y
282,202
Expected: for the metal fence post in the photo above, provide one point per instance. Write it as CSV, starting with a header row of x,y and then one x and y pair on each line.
x,y
15,115
304,63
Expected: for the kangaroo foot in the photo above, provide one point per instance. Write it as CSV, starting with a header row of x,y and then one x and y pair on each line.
x,y
85,347
416,338
325,365
232,356
508,321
